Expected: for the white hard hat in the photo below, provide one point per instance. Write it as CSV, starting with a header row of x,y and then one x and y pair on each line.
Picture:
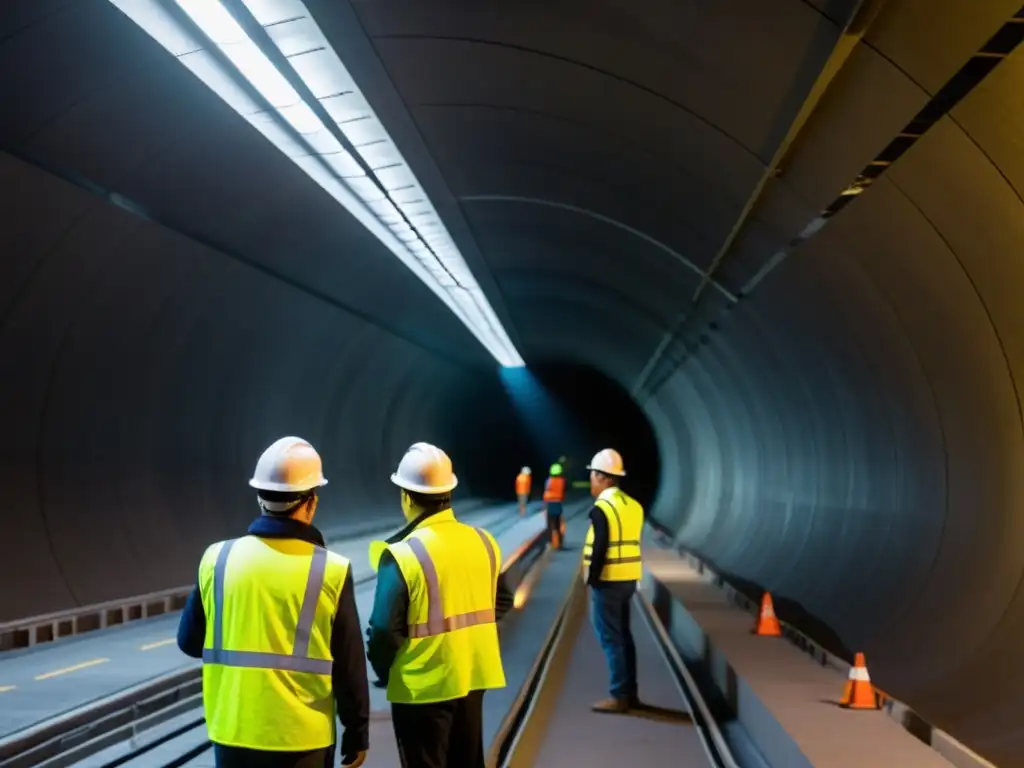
x,y
290,464
609,462
425,468
526,471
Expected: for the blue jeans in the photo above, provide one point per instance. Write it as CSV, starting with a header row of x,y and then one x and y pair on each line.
x,y
610,611
554,517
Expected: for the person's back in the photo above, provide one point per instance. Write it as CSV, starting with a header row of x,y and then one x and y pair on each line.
x,y
264,630
451,570
274,619
433,637
618,557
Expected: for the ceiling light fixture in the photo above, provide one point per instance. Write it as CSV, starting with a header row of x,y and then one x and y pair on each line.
x,y
376,186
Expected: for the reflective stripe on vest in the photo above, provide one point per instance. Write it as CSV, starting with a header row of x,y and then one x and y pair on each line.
x,y
623,560
445,657
298,660
437,623
614,543
270,606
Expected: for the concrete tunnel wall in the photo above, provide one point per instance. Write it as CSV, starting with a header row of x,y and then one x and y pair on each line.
x,y
142,377
851,437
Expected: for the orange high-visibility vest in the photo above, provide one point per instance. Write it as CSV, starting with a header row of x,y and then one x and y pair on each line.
x,y
554,489
523,484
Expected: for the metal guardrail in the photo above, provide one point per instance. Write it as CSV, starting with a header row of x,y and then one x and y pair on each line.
x,y
34,630
942,742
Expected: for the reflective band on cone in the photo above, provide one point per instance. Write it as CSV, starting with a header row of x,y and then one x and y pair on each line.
x,y
858,692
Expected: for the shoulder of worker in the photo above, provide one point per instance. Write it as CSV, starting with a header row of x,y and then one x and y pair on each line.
x,y
616,495
632,500
389,553
602,504
210,553
338,559
492,539
487,535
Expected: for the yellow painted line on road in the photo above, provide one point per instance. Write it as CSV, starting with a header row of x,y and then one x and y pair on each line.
x,y
6,688
157,644
83,665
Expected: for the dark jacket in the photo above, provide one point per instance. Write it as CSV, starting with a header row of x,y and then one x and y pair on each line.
x,y
599,548
389,627
351,689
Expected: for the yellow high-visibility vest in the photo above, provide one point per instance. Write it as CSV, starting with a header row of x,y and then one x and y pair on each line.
x,y
451,570
625,526
270,606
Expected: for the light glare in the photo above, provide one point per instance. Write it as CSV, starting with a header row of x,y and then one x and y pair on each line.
x,y
425,247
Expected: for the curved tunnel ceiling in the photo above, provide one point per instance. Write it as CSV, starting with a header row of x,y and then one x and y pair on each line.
x,y
847,434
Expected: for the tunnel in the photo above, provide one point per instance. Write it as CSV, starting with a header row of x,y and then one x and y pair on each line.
x,y
770,249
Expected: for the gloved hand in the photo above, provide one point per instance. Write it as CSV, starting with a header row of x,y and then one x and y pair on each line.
x,y
354,762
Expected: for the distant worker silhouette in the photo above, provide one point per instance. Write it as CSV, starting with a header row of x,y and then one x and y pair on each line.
x,y
524,482
554,497
273,617
612,566
433,637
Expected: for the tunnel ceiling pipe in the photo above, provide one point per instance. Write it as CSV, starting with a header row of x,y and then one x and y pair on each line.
x,y
856,27
308,106
997,48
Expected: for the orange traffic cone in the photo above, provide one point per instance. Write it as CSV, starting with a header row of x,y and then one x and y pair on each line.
x,y
858,692
767,622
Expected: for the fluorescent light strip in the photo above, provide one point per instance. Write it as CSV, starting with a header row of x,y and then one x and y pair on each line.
x,y
420,239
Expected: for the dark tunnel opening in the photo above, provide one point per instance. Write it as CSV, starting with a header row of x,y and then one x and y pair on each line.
x,y
531,417
603,416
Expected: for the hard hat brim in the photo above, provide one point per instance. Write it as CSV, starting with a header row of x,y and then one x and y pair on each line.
x,y
262,485
605,471
429,490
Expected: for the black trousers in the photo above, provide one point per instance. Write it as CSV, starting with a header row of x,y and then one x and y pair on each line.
x,y
238,757
449,734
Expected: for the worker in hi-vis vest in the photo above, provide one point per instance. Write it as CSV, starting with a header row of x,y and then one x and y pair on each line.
x,y
273,617
612,567
524,481
554,496
433,637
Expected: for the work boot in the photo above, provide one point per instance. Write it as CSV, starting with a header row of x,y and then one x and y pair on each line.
x,y
611,705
